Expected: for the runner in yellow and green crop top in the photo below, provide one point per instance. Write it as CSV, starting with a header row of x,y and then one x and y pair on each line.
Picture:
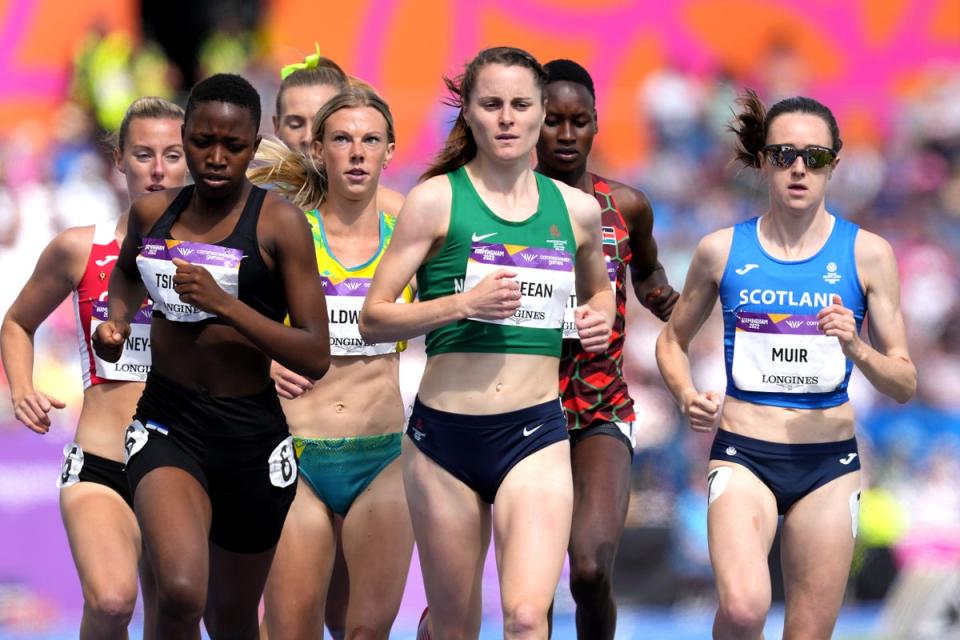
x,y
347,428
497,250
305,87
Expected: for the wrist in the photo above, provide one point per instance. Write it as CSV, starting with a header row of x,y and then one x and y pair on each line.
x,y
226,308
687,397
462,307
858,351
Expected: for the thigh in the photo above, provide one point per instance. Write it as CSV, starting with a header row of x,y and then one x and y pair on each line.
x,y
377,544
297,584
531,521
601,494
174,513
233,595
741,525
816,551
104,538
338,590
451,525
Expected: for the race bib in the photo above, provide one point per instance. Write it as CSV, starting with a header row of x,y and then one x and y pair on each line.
x,y
569,319
545,277
783,353
134,439
72,464
134,362
283,464
344,301
157,270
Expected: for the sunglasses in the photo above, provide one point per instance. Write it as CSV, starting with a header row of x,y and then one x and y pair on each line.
x,y
784,155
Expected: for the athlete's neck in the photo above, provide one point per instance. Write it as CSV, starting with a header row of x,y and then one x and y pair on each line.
x,y
796,235
507,187
507,178
120,231
578,178
221,207
343,215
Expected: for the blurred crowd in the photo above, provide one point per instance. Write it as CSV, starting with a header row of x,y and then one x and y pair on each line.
x,y
901,181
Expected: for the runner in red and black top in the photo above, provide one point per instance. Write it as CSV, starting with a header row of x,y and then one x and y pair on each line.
x,y
95,500
595,396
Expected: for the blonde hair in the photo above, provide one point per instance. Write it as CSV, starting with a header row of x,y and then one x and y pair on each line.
x,y
295,174
146,107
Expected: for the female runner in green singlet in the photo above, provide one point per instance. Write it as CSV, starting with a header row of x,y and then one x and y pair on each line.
x,y
497,250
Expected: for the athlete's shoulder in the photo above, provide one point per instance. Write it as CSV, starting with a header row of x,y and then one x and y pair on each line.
x,y
147,208
872,249
72,244
279,209
580,205
714,248
632,203
389,201
434,195
627,196
66,255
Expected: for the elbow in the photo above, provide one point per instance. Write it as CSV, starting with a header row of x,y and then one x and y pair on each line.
x,y
369,329
908,389
319,369
320,363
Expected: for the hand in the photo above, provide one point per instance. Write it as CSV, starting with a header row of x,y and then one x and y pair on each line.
x,y
108,339
289,384
496,297
702,410
837,320
593,329
196,286
32,410
660,301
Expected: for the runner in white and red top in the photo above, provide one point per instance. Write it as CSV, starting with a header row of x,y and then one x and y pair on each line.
x,y
94,495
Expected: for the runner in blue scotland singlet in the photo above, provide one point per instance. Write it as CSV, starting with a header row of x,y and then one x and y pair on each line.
x,y
795,285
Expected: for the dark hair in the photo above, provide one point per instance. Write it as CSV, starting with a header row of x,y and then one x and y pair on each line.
x,y
148,107
229,88
752,124
460,146
325,73
563,70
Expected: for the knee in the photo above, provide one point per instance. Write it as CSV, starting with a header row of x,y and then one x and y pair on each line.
x,y
525,621
369,632
744,612
591,576
112,604
181,598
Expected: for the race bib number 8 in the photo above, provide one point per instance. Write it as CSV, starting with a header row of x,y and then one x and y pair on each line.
x,y
782,353
545,277
157,270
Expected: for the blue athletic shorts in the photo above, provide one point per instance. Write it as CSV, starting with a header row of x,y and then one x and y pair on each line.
x,y
481,450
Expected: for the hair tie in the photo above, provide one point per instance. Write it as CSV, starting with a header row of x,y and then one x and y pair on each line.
x,y
310,62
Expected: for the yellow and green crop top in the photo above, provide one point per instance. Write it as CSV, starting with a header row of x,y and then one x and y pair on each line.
x,y
346,288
